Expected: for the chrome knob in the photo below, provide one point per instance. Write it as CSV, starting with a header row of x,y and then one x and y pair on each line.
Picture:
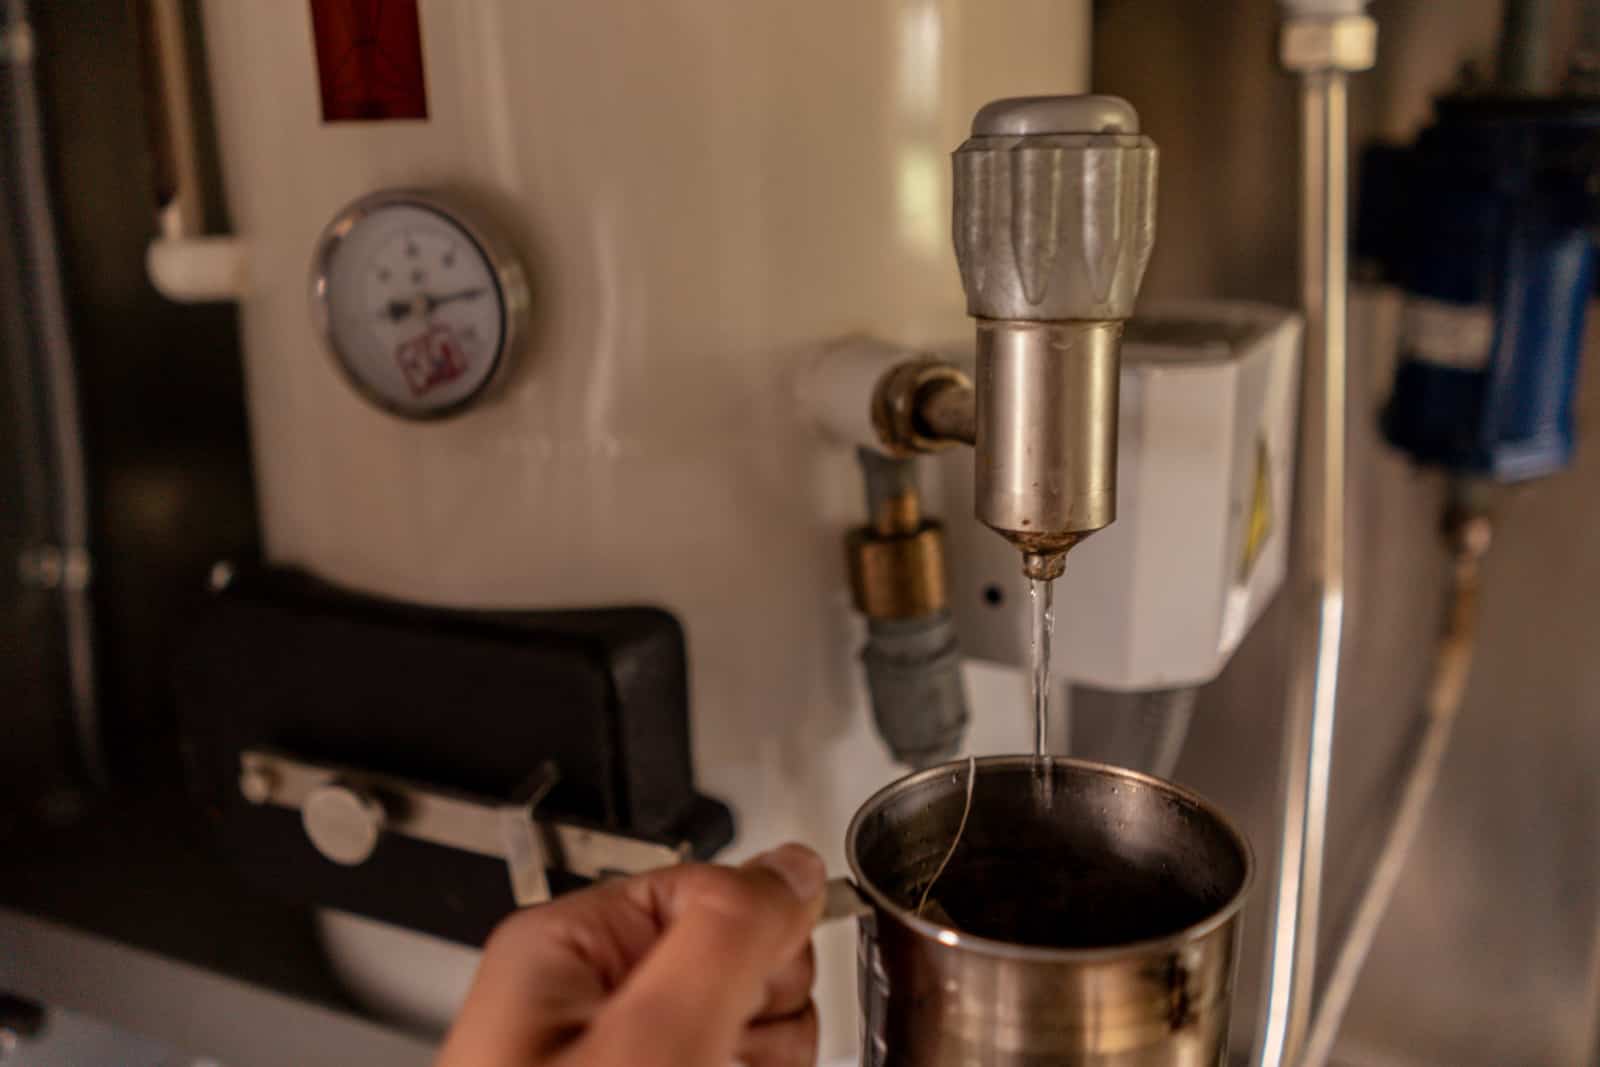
x,y
343,822
1055,209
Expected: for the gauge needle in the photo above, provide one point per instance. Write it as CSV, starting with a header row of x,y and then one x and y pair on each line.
x,y
460,294
425,303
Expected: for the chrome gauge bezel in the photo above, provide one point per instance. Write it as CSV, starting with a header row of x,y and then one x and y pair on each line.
x,y
505,267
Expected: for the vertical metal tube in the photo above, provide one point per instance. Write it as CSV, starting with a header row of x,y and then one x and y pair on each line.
x,y
1334,285
48,314
1320,563
178,208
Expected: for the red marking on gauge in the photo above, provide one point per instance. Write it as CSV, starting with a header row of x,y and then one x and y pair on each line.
x,y
431,359
369,59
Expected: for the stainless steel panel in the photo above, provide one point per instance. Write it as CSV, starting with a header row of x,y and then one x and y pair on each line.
x,y
1489,956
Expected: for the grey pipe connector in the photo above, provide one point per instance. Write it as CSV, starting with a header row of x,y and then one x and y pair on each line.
x,y
919,701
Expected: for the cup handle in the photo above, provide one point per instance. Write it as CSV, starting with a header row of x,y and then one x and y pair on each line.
x,y
842,900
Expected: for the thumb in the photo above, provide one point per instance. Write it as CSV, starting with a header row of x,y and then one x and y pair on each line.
x,y
689,1000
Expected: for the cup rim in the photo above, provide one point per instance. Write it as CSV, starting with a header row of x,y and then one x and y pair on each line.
x,y
952,938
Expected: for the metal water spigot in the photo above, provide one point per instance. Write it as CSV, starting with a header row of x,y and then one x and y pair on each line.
x,y
1054,221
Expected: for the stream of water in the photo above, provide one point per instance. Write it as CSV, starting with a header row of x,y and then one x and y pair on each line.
x,y
1042,593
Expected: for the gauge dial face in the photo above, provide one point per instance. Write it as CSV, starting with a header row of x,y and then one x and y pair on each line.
x,y
416,308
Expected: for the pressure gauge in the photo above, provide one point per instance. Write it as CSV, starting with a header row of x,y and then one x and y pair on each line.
x,y
420,307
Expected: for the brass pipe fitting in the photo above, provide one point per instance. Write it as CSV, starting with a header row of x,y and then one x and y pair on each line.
x,y
946,409
898,577
923,406
897,562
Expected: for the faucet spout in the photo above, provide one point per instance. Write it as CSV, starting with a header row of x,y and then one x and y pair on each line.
x,y
1044,566
1054,221
1046,459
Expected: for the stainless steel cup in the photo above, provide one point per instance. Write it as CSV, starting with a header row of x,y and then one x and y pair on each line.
x,y
1087,917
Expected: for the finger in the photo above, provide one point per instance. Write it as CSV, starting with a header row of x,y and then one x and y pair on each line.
x,y
691,997
789,988
547,970
608,926
530,994
790,1042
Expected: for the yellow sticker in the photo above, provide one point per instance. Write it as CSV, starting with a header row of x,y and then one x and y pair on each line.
x,y
1258,527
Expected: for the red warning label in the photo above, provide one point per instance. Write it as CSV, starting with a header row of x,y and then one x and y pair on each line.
x,y
431,359
369,59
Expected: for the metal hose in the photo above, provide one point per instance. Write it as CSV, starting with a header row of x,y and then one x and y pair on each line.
x,y
912,659
1469,535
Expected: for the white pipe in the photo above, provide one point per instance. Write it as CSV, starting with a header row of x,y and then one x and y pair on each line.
x,y
834,387
190,270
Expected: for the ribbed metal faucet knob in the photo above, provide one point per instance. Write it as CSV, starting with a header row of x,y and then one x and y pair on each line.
x,y
1055,207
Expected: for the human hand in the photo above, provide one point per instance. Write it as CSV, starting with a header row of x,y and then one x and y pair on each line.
x,y
692,966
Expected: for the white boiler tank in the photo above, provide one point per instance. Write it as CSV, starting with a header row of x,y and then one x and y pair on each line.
x,y
702,192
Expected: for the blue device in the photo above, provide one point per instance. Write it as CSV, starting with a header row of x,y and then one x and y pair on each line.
x,y
1487,224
